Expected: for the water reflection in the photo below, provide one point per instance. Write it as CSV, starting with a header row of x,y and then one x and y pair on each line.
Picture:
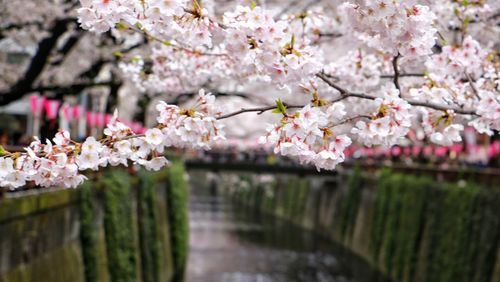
x,y
231,243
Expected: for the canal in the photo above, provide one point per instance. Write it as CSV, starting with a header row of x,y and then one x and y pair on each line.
x,y
229,242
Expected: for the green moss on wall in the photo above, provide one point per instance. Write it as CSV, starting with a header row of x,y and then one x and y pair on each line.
x,y
88,235
350,205
148,228
454,220
177,197
120,246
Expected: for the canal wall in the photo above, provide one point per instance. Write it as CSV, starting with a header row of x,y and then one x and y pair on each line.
x,y
117,227
411,227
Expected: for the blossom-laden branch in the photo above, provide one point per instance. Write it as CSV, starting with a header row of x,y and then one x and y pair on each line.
x,y
345,94
59,162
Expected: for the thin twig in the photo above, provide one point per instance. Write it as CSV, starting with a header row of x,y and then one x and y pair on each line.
x,y
471,82
391,76
260,110
347,120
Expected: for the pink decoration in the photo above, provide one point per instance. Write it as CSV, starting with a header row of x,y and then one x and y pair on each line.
x,y
441,151
416,150
407,151
396,151
51,108
37,102
90,119
428,150
67,113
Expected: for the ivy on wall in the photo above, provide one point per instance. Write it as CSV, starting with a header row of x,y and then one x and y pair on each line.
x,y
350,205
148,228
446,227
88,236
118,227
177,198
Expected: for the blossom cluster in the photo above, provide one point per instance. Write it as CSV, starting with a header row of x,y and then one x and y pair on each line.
x,y
389,123
395,27
439,127
454,61
463,76
265,48
175,71
251,40
357,69
308,136
452,14
196,127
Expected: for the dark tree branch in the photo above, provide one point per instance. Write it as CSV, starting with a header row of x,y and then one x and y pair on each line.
x,y
184,96
330,34
396,73
72,88
38,63
391,76
70,43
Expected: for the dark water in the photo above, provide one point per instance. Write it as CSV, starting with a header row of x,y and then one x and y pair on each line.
x,y
232,243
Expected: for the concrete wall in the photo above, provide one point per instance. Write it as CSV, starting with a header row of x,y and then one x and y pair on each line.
x,y
93,233
410,227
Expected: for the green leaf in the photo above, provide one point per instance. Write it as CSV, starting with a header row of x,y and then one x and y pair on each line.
x,y
280,107
2,151
121,26
118,54
166,43
292,42
465,3
253,4
136,59
466,22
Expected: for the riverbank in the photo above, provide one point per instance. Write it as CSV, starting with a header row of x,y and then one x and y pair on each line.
x,y
413,228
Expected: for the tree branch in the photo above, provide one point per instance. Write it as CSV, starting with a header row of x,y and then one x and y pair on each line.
x,y
346,94
396,73
37,65
260,110
403,75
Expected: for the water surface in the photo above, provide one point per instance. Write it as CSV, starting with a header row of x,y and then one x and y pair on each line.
x,y
233,243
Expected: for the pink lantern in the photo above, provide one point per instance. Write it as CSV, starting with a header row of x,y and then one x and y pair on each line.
x,y
457,148
78,112
396,151
98,119
51,108
37,103
90,119
428,150
67,113
441,151
416,150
